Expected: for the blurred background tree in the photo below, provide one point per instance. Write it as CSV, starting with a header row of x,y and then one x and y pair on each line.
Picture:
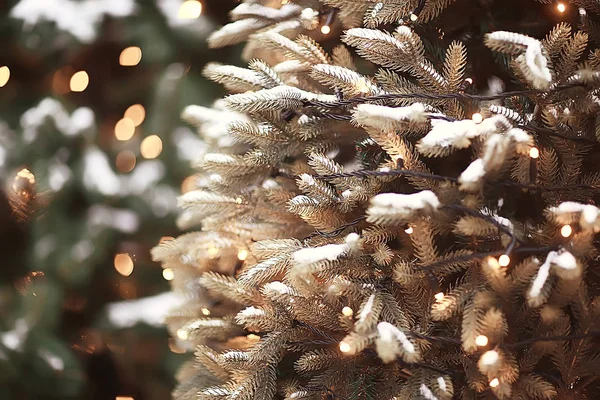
x,y
92,157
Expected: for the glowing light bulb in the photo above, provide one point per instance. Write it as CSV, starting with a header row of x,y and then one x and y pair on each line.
x,y
325,29
239,200
344,347
409,230
347,311
4,75
190,9
242,254
362,86
477,118
566,231
481,340
168,274
212,252
123,264
130,56
205,311
493,262
494,382
439,296
414,17
490,357
124,129
151,147
561,7
469,81
504,260
79,81
183,334
534,152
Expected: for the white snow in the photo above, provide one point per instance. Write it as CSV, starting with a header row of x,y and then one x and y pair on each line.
x,y
388,332
427,393
542,275
406,202
446,134
565,260
252,312
100,216
537,65
489,358
55,362
474,172
97,173
311,255
383,117
150,310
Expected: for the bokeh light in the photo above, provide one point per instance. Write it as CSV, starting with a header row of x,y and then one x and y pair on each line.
x,y
124,129
79,81
190,9
130,57
136,113
151,147
123,264
4,75
125,161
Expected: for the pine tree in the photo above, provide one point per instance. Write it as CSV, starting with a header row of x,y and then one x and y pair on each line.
x,y
398,201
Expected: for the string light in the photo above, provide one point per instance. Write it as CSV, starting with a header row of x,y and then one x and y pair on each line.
x,y
494,382
477,118
534,152
190,9
493,262
414,17
205,311
136,113
481,340
252,336
242,254
79,81
4,75
409,230
183,334
504,260
125,161
124,398
469,81
130,56
566,230
347,311
325,29
168,274
151,147
123,264
439,296
561,7
344,347
124,129
213,252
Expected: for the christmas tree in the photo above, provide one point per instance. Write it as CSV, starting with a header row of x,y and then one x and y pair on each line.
x,y
398,201
92,157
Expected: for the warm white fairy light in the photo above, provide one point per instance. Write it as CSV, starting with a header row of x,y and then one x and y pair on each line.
x,y
481,340
534,152
469,81
493,262
242,254
168,274
566,230
504,260
183,334
344,347
347,311
190,9
409,230
205,311
212,252
561,7
4,75
439,296
414,17
494,382
325,29
79,81
477,118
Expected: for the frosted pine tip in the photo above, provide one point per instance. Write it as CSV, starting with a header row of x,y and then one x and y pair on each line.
x,y
182,334
494,382
481,340
477,118
325,29
242,254
534,152
409,230
561,7
439,296
344,347
504,260
347,311
566,231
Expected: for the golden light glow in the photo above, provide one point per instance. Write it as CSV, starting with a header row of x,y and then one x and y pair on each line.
x,y
477,118
481,340
151,147
124,398
205,311
27,175
494,382
566,231
347,311
504,260
188,184
409,230
252,336
534,152
136,113
124,129
79,81
414,17
123,264
325,29
130,56
493,262
242,254
125,161
439,296
238,200
168,274
4,75
190,9
344,347
183,334
213,252
561,7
